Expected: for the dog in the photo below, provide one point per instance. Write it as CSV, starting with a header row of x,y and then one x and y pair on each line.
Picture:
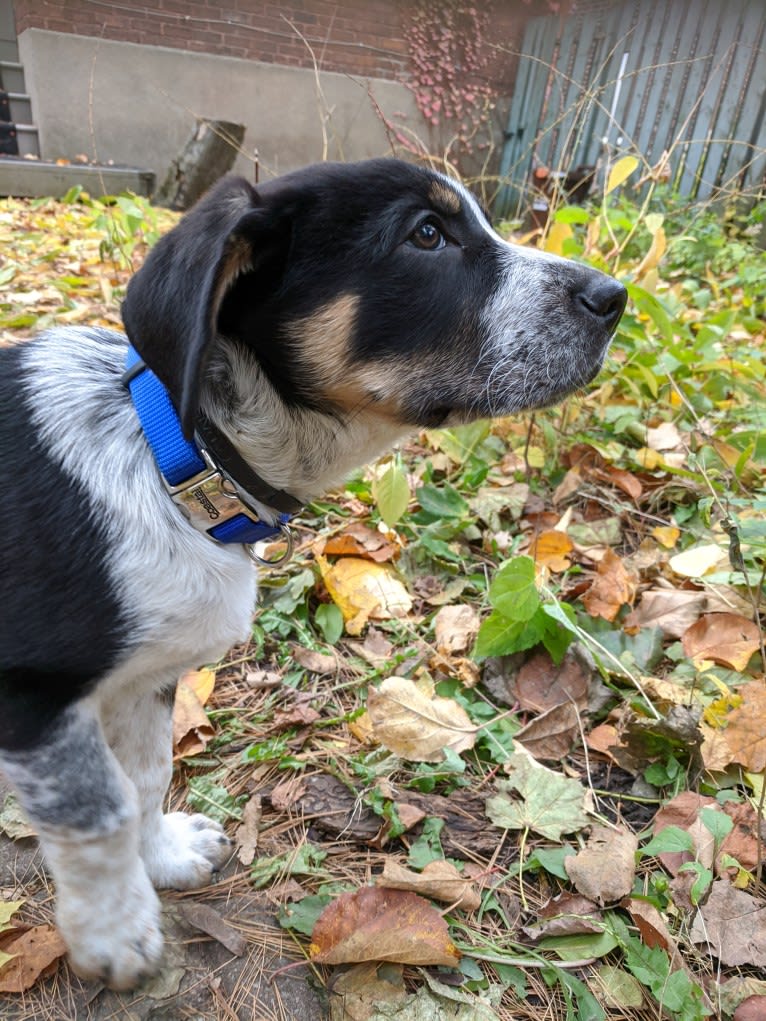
x,y
278,337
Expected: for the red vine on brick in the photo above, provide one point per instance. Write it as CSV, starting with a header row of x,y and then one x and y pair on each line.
x,y
448,58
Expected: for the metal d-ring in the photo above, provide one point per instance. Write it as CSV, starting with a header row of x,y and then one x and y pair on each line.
x,y
285,530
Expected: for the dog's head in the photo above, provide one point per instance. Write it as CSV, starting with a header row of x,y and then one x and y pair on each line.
x,y
378,285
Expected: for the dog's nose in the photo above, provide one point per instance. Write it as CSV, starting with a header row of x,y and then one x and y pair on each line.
x,y
604,298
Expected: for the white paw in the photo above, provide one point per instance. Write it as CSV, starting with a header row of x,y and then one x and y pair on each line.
x,y
113,930
184,851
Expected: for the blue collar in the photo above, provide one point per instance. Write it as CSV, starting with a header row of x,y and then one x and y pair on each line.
x,y
194,480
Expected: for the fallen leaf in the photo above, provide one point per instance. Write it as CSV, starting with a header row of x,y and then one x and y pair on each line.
x,y
617,988
605,868
13,822
682,811
375,924
715,751
363,590
8,909
746,728
736,990
191,727
699,560
664,437
725,638
666,535
414,726
286,793
439,880
751,1009
551,735
672,610
547,802
357,540
541,684
455,628
569,914
315,662
356,994
551,549
34,951
731,924
375,649
612,588
299,715
650,924
246,834
211,922
603,738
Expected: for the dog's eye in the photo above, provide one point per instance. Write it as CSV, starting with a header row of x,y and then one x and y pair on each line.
x,y
427,236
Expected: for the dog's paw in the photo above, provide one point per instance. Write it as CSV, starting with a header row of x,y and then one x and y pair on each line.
x,y
185,852
113,935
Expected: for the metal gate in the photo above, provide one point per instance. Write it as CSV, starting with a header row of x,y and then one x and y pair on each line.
x,y
647,77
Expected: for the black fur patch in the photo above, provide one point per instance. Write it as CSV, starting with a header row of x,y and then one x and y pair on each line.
x,y
61,626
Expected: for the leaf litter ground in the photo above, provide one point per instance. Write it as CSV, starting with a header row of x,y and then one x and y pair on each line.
x,y
559,622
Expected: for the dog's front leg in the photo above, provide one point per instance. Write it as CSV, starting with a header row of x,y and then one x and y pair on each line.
x,y
85,811
180,851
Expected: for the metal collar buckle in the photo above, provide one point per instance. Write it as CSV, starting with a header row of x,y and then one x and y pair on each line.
x,y
207,498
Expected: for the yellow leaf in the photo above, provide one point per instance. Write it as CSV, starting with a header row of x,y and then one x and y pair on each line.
x,y
414,726
620,172
557,235
698,561
201,682
652,258
666,535
8,908
363,589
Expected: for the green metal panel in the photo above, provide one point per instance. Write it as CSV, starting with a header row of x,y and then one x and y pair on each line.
x,y
693,83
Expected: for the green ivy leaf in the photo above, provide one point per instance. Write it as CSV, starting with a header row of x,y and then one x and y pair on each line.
x,y
513,591
391,493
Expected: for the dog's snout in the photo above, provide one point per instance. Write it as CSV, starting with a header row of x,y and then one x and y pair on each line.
x,y
604,298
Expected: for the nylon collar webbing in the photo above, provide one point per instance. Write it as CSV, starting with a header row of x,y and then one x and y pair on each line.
x,y
191,473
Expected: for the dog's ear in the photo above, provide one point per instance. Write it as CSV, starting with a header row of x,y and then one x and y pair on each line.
x,y
171,307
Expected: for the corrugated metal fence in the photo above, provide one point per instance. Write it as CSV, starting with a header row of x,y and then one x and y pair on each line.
x,y
686,77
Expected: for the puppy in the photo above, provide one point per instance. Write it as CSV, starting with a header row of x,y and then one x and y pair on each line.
x,y
280,336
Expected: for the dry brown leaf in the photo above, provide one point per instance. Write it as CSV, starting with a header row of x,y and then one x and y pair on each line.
x,y
603,738
568,486
212,923
35,950
357,540
725,638
731,924
414,726
286,793
551,549
541,684
299,715
552,734
672,610
409,815
681,811
605,868
649,922
746,728
566,915
246,835
612,588
315,662
751,1009
191,727
375,924
356,994
742,842
363,589
455,628
439,880
715,750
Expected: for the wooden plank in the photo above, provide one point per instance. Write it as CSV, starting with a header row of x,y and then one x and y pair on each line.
x,y
686,150
702,181
739,109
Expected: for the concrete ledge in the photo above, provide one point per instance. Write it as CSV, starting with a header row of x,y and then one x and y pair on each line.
x,y
35,179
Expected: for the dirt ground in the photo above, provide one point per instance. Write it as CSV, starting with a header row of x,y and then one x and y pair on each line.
x,y
201,979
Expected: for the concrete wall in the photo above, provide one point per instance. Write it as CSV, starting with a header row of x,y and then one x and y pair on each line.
x,y
137,104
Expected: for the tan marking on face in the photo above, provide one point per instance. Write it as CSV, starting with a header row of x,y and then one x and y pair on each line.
x,y
444,198
322,341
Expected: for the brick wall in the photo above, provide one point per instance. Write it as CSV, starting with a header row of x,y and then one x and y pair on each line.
x,y
359,37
